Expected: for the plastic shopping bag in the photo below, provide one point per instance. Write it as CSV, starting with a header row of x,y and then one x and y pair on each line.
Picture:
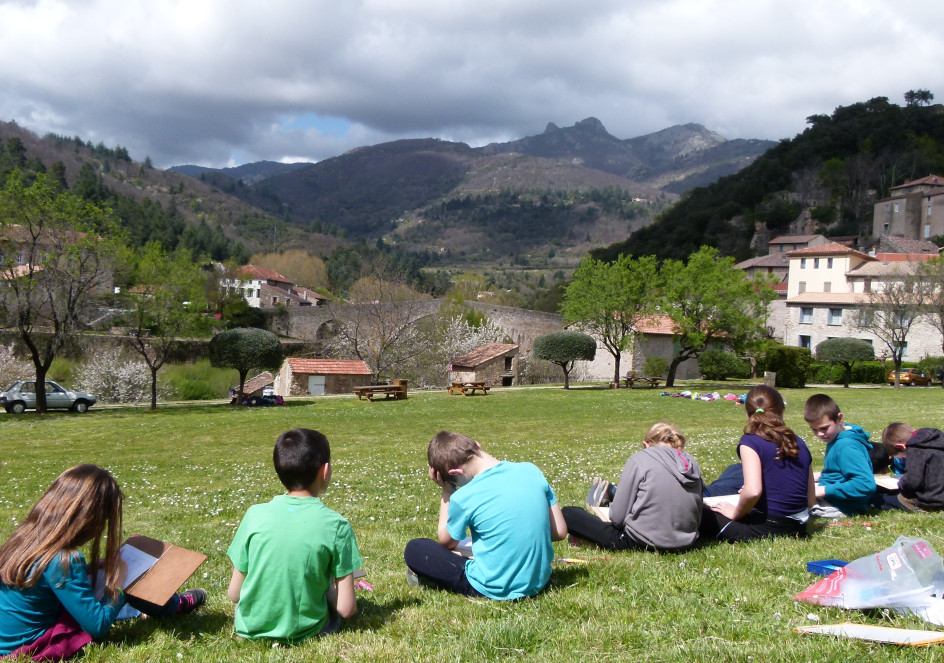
x,y
908,576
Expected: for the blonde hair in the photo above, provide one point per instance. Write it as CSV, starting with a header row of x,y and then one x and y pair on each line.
x,y
896,433
80,506
666,434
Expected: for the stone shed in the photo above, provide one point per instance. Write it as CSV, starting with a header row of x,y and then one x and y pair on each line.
x,y
316,377
254,386
493,363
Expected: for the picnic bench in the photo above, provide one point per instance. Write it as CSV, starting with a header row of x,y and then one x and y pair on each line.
x,y
631,379
396,391
468,388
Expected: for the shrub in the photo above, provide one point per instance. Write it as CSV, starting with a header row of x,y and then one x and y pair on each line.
x,y
845,352
655,367
791,365
823,372
869,372
930,365
719,365
113,377
197,381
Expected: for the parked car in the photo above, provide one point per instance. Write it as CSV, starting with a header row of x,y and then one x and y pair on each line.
x,y
910,376
22,396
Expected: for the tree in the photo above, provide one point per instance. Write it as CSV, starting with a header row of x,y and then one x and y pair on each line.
x,y
297,265
711,303
931,277
891,311
378,323
167,301
845,352
918,98
58,257
610,299
565,348
244,349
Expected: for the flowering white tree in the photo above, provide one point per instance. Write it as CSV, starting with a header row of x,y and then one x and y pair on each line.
x,y
113,377
446,339
13,368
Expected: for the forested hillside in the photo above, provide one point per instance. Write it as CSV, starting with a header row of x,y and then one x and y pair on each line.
x,y
837,168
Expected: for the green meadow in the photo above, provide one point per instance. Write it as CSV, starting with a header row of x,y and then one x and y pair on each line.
x,y
189,472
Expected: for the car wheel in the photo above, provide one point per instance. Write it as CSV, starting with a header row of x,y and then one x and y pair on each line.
x,y
18,408
80,406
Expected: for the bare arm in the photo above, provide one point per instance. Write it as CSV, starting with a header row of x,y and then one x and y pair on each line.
x,y
811,489
558,525
235,585
442,532
753,487
341,596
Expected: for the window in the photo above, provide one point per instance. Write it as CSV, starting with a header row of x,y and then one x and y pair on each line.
x,y
904,348
805,342
781,248
507,363
885,227
835,316
828,286
896,208
927,230
802,287
815,263
867,340
802,263
929,210
829,263
806,315
867,285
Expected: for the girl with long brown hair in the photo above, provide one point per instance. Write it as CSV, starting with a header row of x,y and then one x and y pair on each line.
x,y
48,603
778,477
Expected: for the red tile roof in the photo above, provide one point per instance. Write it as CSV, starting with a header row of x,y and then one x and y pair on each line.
x,y
328,366
657,324
904,257
255,384
930,180
483,354
831,249
262,273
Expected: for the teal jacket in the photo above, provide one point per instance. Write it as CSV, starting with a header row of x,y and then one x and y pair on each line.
x,y
847,471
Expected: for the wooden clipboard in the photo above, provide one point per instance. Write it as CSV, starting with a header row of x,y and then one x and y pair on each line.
x,y
173,567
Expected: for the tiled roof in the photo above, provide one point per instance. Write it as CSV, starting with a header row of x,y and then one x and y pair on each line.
x,y
793,239
328,366
483,354
828,298
267,291
262,273
657,324
831,249
308,293
255,384
883,268
930,180
907,245
904,257
770,260
780,288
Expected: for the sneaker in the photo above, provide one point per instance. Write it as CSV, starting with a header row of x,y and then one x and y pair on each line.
x,y
191,600
599,494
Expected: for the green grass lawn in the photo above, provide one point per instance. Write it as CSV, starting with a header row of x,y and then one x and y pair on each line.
x,y
190,472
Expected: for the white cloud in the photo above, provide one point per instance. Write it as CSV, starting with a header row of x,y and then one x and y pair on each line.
x,y
211,81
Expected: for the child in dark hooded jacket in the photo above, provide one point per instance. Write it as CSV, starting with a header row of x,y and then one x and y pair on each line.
x,y
657,504
921,454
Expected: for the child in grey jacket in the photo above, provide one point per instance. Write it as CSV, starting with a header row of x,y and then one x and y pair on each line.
x,y
657,504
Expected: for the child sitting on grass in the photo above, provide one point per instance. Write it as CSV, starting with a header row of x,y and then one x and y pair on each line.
x,y
921,486
847,482
657,504
510,511
293,558
48,604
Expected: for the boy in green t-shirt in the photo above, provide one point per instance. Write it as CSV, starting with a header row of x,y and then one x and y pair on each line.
x,y
293,557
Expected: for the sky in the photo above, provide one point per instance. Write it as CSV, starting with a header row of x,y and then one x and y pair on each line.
x,y
226,82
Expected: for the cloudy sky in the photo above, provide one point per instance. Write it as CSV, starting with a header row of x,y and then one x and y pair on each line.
x,y
225,82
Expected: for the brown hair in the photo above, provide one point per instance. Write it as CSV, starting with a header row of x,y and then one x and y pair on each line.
x,y
896,433
80,506
819,406
666,434
448,450
765,408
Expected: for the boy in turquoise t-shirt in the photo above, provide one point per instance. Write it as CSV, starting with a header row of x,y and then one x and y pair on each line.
x,y
508,508
293,557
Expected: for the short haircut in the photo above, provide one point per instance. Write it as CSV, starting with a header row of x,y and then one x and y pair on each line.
x,y
665,433
298,456
819,406
896,433
448,450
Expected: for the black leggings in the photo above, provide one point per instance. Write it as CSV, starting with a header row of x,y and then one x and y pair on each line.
x,y
438,566
755,525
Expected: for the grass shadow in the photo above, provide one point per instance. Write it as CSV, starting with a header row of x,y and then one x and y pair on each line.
x,y
372,614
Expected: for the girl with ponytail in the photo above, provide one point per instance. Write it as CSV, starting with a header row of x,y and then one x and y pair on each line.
x,y
778,477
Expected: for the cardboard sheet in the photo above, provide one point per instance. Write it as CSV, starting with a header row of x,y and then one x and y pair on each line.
x,y
173,567
883,634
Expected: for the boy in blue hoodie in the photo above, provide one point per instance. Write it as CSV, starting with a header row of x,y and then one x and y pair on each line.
x,y
846,483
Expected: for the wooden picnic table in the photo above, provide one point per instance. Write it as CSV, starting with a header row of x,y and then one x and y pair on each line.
x,y
630,380
468,388
369,391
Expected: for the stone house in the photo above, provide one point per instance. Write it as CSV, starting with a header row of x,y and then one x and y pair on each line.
x,y
266,288
315,377
914,210
493,363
